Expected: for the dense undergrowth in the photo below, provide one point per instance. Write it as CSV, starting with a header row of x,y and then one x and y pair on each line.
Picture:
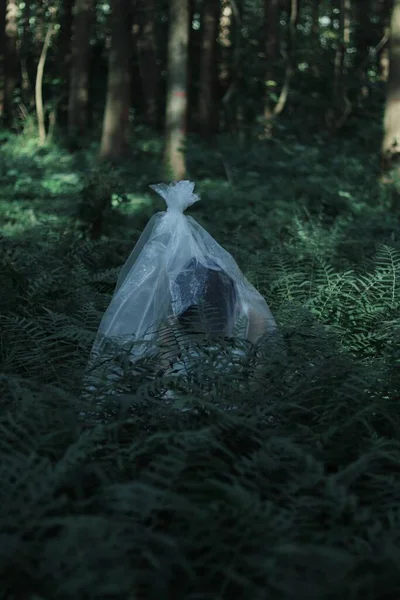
x,y
293,495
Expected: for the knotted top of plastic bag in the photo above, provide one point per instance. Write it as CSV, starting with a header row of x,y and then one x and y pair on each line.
x,y
178,195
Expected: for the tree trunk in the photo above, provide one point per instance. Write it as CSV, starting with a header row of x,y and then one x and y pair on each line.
x,y
272,14
364,40
40,26
80,60
272,46
344,38
39,85
238,122
64,57
147,57
383,11
315,20
10,60
3,10
226,80
340,109
177,83
27,66
391,138
208,62
315,33
290,58
193,52
114,141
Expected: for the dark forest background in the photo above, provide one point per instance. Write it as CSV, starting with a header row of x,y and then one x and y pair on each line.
x,y
286,114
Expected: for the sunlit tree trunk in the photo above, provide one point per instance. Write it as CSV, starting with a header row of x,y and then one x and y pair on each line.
x,y
177,85
114,141
80,61
208,62
40,113
271,27
391,138
147,56
10,60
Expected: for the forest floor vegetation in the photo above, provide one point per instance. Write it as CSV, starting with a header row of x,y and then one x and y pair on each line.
x,y
208,504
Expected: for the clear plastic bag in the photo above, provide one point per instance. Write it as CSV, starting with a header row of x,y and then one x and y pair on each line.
x,y
177,273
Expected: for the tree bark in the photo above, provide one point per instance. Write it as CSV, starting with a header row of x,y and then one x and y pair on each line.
x,y
177,83
208,62
391,137
226,79
341,107
272,47
39,85
3,10
383,12
64,56
114,141
27,64
80,61
147,57
290,58
10,61
315,19
315,34
364,35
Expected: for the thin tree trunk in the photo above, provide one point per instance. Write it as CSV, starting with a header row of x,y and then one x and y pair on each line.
x,y
3,10
226,81
239,110
177,84
11,60
193,51
272,47
64,56
383,12
344,29
26,54
315,32
315,19
39,85
364,40
80,61
114,141
391,138
341,107
147,57
290,58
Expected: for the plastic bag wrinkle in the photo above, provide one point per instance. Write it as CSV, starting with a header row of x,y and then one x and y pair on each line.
x,y
168,272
